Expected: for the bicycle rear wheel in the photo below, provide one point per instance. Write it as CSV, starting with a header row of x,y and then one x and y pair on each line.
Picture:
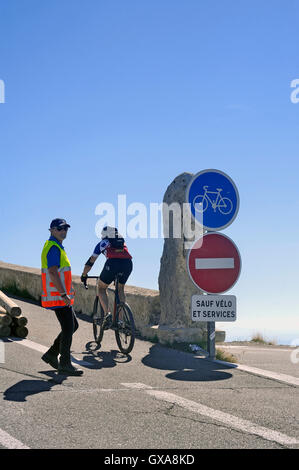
x,y
200,204
125,328
97,320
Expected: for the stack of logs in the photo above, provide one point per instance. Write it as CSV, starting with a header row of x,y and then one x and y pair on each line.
x,y
12,323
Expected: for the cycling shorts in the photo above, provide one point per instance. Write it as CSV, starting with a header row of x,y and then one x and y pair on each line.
x,y
115,266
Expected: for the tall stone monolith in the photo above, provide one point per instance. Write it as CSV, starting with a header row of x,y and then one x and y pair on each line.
x,y
176,288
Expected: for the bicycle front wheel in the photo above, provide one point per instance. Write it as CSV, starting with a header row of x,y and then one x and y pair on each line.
x,y
225,206
97,320
125,328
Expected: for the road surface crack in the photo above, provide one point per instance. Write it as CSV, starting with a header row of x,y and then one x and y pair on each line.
x,y
169,411
220,426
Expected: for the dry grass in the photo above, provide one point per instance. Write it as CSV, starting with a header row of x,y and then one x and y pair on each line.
x,y
260,339
222,355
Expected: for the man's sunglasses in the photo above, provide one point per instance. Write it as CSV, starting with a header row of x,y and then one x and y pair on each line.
x,y
62,228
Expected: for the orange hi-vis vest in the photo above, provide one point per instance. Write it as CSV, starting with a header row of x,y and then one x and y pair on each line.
x,y
51,298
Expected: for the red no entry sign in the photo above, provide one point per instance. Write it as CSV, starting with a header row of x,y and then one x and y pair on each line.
x,y
214,263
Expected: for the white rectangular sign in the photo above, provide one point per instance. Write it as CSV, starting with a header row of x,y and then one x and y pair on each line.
x,y
214,308
214,263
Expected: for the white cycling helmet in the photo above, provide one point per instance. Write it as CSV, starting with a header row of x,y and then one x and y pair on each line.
x,y
109,232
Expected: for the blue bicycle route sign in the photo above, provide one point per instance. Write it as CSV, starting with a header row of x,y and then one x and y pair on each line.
x,y
213,199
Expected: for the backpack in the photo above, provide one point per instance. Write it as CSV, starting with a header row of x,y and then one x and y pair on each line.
x,y
117,243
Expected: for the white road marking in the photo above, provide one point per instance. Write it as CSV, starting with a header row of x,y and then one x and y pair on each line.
x,y
137,386
289,379
226,418
214,263
10,442
255,348
42,349
30,344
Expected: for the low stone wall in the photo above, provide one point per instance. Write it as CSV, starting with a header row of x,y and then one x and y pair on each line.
x,y
26,281
145,303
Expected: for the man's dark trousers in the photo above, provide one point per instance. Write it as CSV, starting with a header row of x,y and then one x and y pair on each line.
x,y
62,344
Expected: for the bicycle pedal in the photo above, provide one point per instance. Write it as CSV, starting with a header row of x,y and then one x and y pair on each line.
x,y
107,322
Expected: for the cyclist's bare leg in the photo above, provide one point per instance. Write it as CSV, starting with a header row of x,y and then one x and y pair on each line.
x,y
102,290
121,292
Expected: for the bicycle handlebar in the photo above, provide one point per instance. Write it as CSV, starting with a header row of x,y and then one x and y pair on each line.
x,y
94,277
89,277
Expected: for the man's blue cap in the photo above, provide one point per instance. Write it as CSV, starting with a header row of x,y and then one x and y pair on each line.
x,y
59,223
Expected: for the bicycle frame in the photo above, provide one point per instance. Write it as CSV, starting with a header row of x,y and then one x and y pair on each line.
x,y
123,320
223,204
116,295
206,193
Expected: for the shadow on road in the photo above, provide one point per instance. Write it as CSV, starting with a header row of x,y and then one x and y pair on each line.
x,y
185,366
102,359
21,390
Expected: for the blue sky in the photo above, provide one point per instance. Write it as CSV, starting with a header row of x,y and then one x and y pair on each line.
x,y
106,98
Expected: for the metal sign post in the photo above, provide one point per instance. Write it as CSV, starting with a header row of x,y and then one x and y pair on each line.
x,y
211,330
213,261
211,340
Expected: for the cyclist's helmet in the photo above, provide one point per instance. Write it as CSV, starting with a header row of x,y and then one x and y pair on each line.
x,y
109,232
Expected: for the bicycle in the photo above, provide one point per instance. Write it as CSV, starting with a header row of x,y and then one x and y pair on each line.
x,y
223,204
122,320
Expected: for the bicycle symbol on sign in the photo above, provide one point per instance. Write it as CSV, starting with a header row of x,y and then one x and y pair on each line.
x,y
223,204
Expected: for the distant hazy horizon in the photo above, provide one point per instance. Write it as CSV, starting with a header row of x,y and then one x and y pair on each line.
x,y
279,337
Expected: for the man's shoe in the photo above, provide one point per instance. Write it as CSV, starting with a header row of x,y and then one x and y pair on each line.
x,y
69,370
51,359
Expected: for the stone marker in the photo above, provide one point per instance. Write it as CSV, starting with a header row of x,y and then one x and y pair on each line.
x,y
176,288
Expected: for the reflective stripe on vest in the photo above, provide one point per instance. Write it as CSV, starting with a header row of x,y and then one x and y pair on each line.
x,y
50,296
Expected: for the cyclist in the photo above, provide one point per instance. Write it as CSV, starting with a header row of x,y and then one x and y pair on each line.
x,y
119,261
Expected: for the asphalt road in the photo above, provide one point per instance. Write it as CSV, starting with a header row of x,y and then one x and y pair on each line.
x,y
157,398
281,359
